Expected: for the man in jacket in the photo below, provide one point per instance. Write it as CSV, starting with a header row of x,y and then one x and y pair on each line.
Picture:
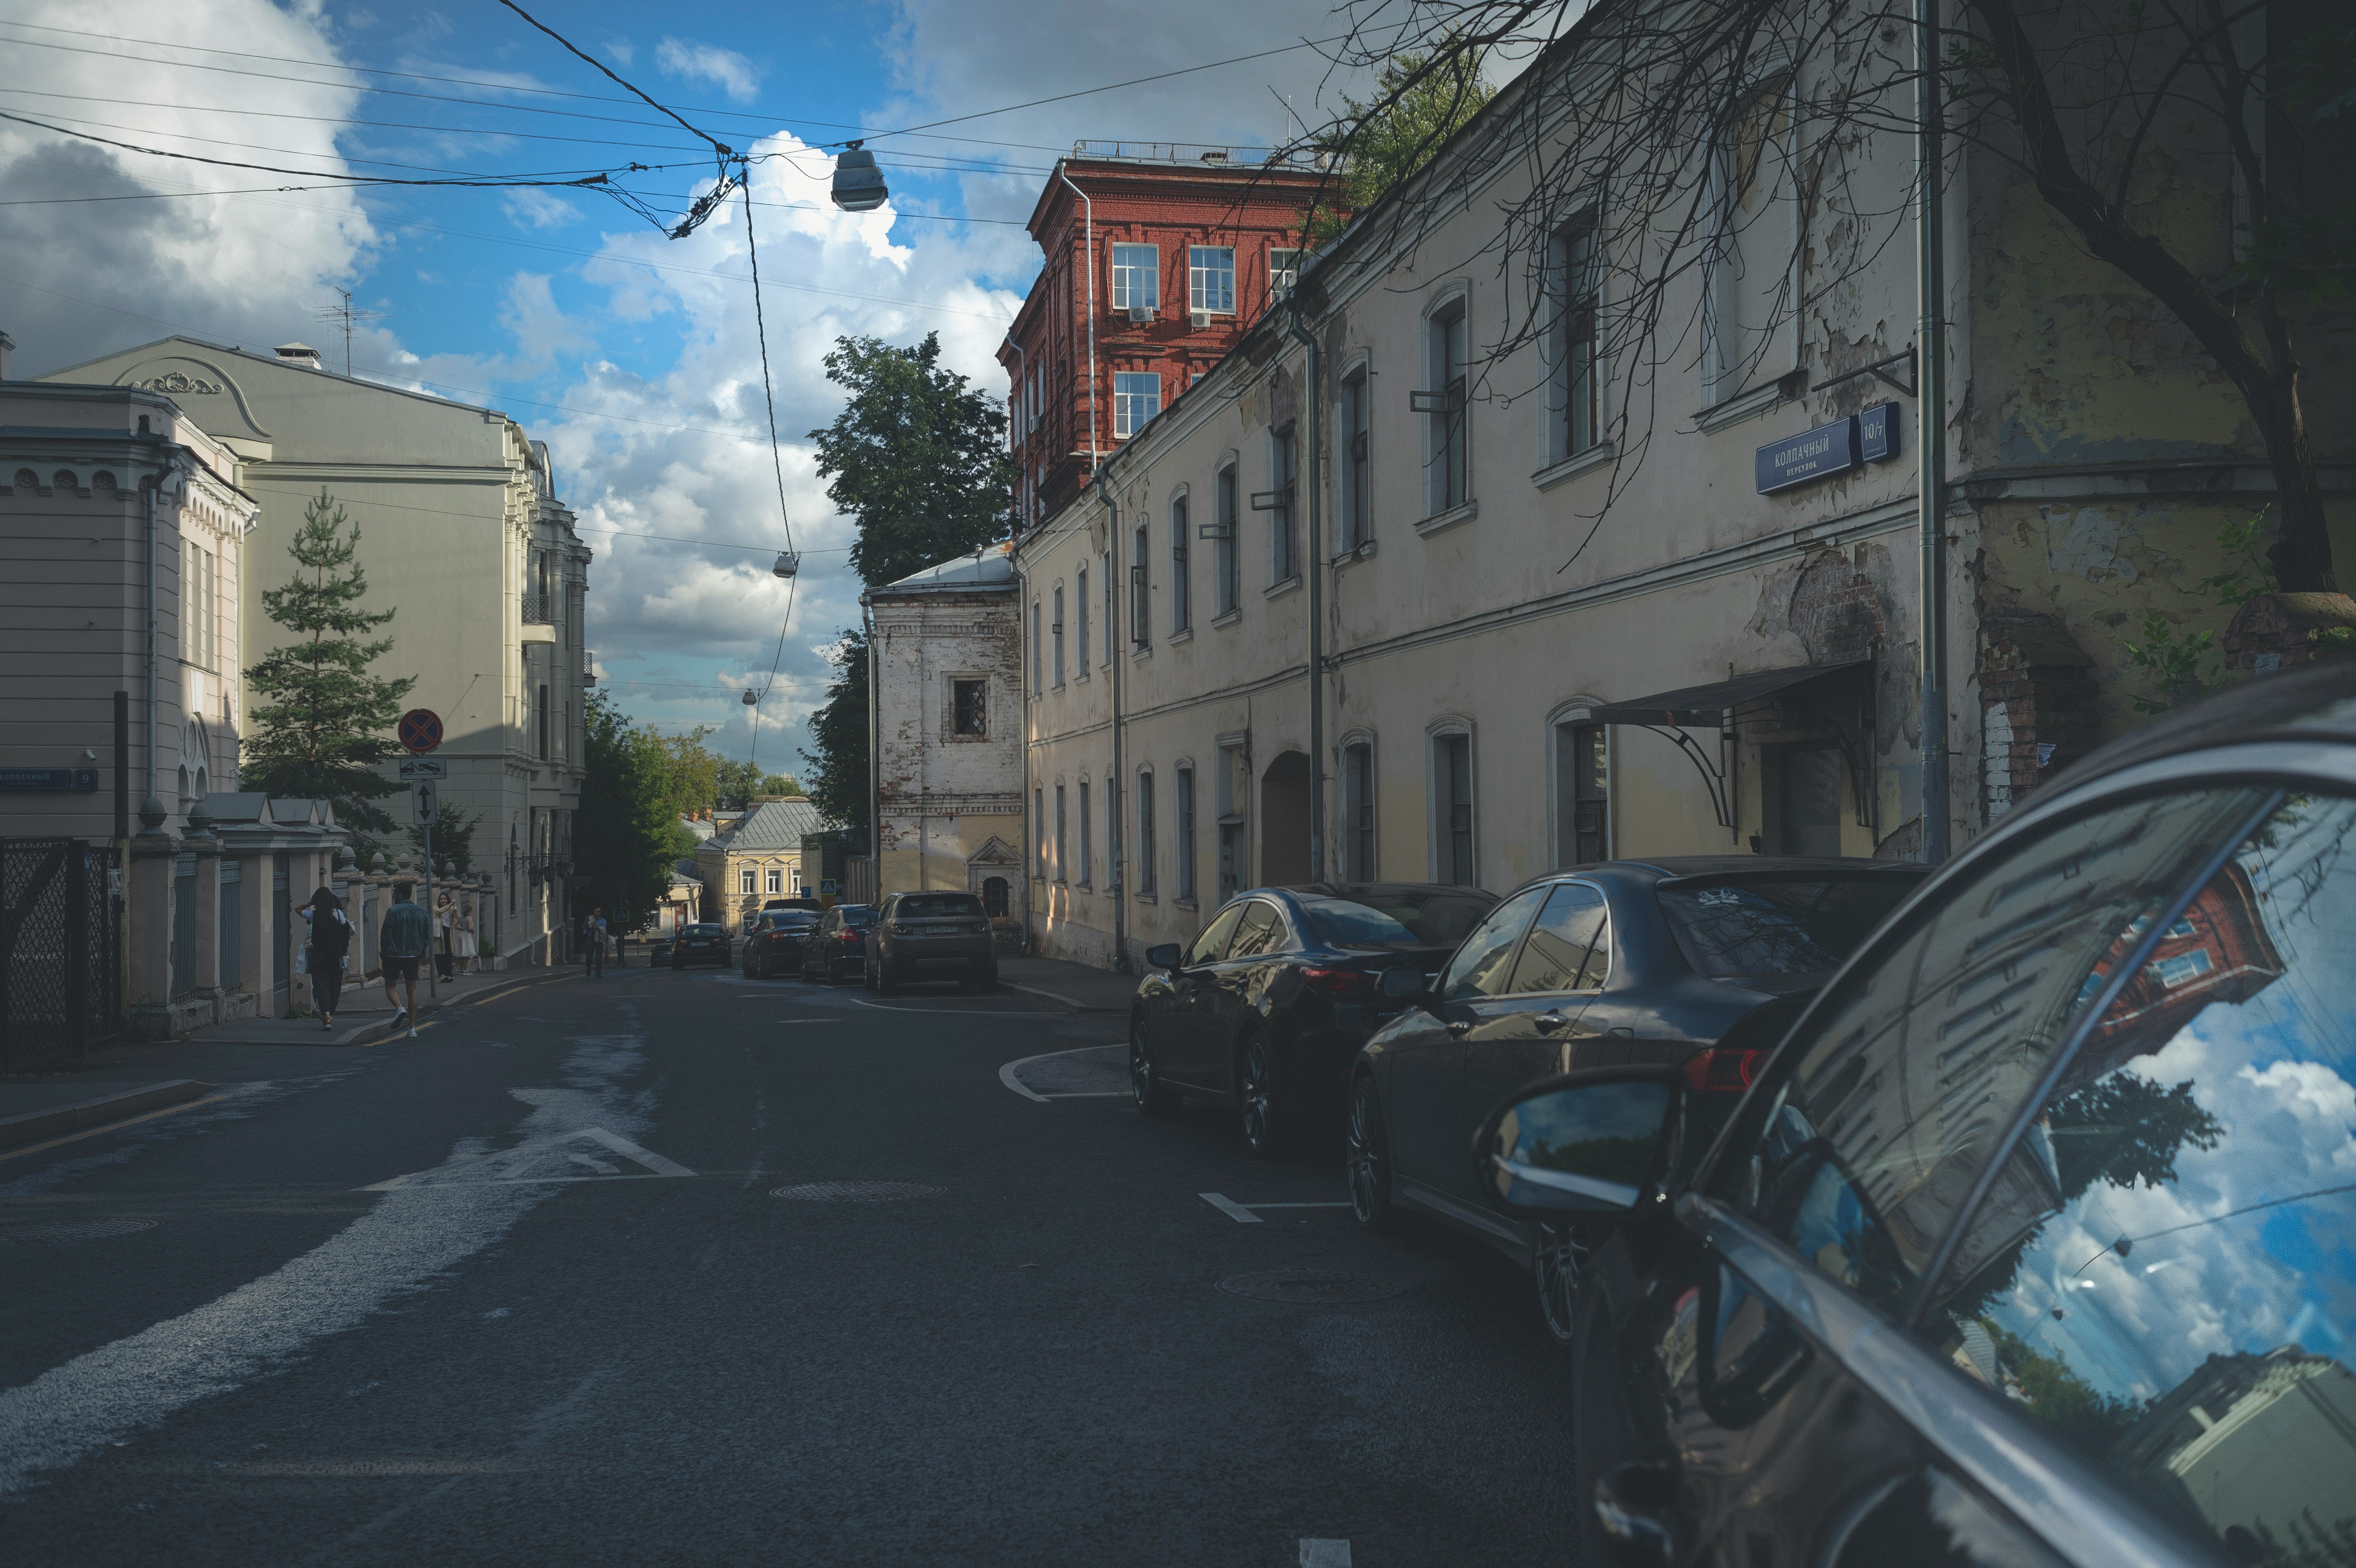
x,y
405,936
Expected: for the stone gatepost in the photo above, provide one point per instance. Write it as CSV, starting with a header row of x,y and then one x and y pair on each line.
x,y
148,904
206,846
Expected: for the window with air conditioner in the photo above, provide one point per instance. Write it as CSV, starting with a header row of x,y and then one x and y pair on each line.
x,y
1211,280
1136,398
1136,278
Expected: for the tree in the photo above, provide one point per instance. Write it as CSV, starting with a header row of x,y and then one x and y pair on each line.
x,y
1395,133
626,834
453,836
325,727
917,457
741,781
839,768
2199,150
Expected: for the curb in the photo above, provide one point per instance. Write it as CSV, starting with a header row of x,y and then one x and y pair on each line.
x,y
1077,1006
352,1036
35,1126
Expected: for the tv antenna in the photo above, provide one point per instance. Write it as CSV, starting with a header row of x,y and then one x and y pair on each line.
x,y
343,312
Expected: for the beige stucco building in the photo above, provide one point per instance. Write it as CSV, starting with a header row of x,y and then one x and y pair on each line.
x,y
462,534
756,857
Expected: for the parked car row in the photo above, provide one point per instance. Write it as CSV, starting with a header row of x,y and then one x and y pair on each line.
x,y
2000,1215
908,937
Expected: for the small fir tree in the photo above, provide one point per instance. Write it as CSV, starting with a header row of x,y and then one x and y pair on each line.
x,y
324,727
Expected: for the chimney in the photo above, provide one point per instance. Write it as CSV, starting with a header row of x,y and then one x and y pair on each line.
x,y
7,347
301,355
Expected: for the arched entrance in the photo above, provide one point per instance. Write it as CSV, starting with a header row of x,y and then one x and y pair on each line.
x,y
1284,820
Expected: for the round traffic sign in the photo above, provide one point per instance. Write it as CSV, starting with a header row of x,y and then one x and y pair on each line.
x,y
420,730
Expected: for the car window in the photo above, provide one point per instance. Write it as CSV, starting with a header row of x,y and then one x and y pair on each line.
x,y
1757,927
1375,915
2165,1271
859,918
1261,931
1481,966
1560,954
1894,1088
935,906
1212,946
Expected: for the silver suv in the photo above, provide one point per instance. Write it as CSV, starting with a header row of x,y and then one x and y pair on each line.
x,y
917,932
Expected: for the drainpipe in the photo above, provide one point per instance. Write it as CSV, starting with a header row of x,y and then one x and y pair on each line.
x,y
172,474
874,751
1315,563
1093,452
1930,445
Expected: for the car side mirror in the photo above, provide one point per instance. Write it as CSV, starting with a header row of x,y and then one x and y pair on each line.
x,y
1164,955
1588,1143
1401,984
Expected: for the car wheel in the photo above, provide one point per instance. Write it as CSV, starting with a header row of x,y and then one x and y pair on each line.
x,y
1153,1097
1267,1120
1366,1157
1560,1254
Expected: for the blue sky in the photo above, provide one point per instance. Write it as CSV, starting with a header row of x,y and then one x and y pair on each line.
x,y
631,354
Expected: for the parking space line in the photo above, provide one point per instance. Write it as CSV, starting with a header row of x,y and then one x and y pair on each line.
x,y
1229,1207
1317,1553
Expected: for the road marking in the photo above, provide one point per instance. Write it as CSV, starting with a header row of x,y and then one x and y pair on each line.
x,y
1006,1073
809,1020
1230,1207
1316,1553
544,1159
1341,1205
955,1012
112,1126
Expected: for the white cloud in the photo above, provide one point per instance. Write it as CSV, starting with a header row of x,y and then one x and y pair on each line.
x,y
534,209
622,51
739,77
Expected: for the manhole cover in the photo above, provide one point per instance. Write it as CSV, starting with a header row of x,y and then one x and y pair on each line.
x,y
74,1230
1312,1287
855,1191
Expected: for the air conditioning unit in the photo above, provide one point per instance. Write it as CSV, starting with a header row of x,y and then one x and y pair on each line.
x,y
1141,315
1200,320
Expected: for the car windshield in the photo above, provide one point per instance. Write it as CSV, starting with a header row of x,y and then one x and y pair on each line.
x,y
703,931
1759,927
857,914
927,906
792,917
1395,917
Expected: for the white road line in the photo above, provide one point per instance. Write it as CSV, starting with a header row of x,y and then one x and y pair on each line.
x,y
1230,1207
1006,1073
1316,1553
954,1012
1342,1205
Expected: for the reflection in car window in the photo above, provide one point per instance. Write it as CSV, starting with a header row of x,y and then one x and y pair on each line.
x,y
1895,1087
1560,956
1261,931
1431,917
922,906
1756,927
1480,965
2166,1272
1211,944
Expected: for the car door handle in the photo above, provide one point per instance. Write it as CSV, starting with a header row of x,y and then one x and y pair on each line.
x,y
1549,1023
1459,1026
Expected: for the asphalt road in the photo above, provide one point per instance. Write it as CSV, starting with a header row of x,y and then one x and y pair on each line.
x,y
539,1286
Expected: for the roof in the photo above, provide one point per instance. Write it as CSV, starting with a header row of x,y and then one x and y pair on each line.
x,y
1701,706
990,569
779,824
292,365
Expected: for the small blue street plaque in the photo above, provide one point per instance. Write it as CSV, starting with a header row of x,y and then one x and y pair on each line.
x,y
69,780
1877,432
1803,459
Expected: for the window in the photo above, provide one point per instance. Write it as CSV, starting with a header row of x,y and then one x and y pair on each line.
x,y
1444,438
1136,277
1284,272
1483,965
1582,784
1212,946
1182,600
1569,948
1056,633
1038,665
543,723
1145,835
970,708
1080,594
1088,844
1182,829
1136,398
776,880
1452,767
1141,608
199,586
1356,524
1358,811
1227,588
1063,873
744,882
1283,555
1211,278
1105,577
1039,833
1114,865
1570,342
1261,929
1751,335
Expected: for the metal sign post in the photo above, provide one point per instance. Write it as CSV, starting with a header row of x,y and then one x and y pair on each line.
x,y
423,804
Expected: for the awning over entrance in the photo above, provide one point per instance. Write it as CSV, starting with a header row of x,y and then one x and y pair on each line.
x,y
1705,707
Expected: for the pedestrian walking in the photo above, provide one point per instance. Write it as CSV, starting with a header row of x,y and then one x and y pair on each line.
x,y
592,944
330,941
405,936
462,940
445,956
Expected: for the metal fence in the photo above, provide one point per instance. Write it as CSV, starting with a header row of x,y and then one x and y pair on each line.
x,y
59,971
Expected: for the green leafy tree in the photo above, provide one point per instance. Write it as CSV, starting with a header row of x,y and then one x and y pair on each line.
x,y
626,833
740,781
839,767
2061,1399
453,836
917,457
1420,100
324,727
691,771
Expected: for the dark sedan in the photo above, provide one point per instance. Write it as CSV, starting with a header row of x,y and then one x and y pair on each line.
x,y
1266,1009
774,944
1699,963
701,944
2031,1243
837,943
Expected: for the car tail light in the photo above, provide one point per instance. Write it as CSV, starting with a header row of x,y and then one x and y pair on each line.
x,y
1727,1071
1338,982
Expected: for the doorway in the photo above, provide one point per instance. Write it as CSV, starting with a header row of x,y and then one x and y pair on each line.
x,y
1805,784
1284,820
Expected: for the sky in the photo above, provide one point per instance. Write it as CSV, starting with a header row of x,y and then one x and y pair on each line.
x,y
634,356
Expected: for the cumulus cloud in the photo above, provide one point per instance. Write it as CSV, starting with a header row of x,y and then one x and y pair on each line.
x,y
532,208
730,72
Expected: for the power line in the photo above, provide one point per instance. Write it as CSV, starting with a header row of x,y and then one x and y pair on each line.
x,y
334,119
721,148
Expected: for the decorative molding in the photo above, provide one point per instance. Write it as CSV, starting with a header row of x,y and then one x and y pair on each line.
x,y
179,382
1743,406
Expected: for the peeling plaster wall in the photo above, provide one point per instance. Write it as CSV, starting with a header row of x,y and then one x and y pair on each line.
x,y
942,797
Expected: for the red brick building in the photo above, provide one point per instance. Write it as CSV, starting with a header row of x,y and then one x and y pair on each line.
x,y
1188,243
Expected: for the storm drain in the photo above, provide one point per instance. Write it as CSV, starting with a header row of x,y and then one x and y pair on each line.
x,y
855,1191
1312,1287
74,1230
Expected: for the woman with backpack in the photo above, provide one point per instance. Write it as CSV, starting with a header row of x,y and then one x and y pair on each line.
x,y
331,939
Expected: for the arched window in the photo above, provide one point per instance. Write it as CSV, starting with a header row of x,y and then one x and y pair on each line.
x,y
994,897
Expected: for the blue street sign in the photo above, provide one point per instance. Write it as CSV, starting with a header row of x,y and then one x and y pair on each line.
x,y
1804,459
1877,432
69,780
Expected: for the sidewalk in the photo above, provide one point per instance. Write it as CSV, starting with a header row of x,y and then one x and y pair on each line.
x,y
362,1013
1077,986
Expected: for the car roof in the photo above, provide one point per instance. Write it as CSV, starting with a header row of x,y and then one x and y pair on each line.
x,y
2316,703
1360,892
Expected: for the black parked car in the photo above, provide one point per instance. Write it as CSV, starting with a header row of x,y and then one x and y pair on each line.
x,y
701,944
2033,1241
835,945
1267,1007
926,935
1700,962
774,944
